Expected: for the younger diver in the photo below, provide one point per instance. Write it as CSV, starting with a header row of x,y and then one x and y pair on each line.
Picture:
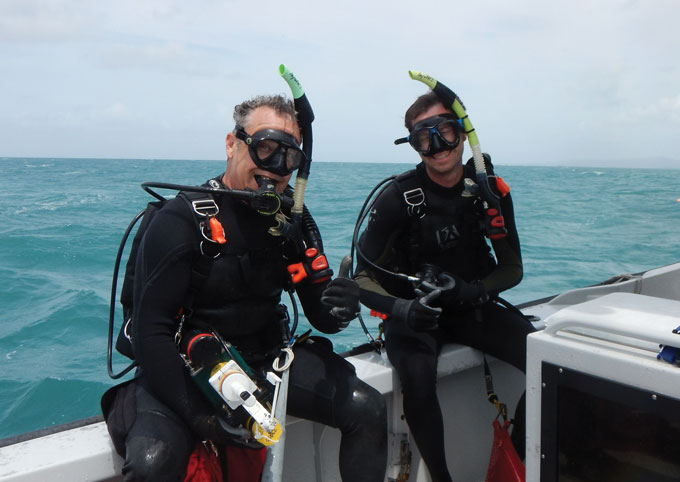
x,y
429,224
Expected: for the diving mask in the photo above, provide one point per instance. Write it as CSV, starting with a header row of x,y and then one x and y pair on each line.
x,y
272,150
434,134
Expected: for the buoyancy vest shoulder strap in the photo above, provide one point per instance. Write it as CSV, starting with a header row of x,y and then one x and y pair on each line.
x,y
414,196
201,205
412,192
197,202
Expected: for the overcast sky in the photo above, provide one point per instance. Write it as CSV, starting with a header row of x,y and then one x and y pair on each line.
x,y
544,82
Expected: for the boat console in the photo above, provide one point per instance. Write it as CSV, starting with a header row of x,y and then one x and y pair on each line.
x,y
601,405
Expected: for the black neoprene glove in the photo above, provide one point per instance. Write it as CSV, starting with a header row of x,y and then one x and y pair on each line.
x,y
418,313
459,291
212,427
342,296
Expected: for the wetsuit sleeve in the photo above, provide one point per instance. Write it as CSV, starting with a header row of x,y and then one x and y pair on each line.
x,y
317,313
509,271
309,293
162,279
376,244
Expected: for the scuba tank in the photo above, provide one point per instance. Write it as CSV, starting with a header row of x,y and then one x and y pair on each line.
x,y
229,383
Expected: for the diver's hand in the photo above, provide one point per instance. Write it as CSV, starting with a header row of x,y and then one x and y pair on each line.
x,y
418,313
342,296
456,290
216,429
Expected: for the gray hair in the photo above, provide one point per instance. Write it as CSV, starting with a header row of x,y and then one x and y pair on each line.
x,y
282,105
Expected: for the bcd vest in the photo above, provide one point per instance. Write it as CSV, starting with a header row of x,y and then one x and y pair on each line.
x,y
445,227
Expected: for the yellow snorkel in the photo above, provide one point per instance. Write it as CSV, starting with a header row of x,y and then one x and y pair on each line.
x,y
495,226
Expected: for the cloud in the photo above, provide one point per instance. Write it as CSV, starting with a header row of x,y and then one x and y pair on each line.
x,y
541,80
38,21
664,107
161,57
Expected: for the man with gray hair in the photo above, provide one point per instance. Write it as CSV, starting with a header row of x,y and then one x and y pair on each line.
x,y
240,302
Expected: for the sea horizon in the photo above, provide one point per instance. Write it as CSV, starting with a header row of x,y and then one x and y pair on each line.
x,y
62,220
633,163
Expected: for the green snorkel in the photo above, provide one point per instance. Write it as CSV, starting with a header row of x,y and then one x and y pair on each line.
x,y
494,224
305,119
302,225
273,465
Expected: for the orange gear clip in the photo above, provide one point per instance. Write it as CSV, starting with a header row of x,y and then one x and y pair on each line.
x,y
377,314
216,231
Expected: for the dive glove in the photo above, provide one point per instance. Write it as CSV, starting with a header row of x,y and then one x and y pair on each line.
x,y
216,429
417,313
342,296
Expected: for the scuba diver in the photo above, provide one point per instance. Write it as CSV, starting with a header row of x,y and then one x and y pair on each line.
x,y
425,266
255,253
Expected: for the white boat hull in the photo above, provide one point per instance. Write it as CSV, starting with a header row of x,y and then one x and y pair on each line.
x,y
86,454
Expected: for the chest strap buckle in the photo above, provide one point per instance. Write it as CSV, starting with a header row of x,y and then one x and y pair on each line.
x,y
415,202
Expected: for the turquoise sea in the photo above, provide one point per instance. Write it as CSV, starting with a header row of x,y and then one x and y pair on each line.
x,y
61,221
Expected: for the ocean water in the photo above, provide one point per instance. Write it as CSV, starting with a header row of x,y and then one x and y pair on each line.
x,y
61,222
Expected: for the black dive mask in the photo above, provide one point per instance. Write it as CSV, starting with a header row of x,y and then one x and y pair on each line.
x,y
272,150
434,135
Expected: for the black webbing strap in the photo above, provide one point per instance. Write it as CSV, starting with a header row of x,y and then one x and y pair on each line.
x,y
209,251
491,394
414,198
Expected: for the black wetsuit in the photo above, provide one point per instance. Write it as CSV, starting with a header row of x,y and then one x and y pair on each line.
x,y
443,231
241,300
